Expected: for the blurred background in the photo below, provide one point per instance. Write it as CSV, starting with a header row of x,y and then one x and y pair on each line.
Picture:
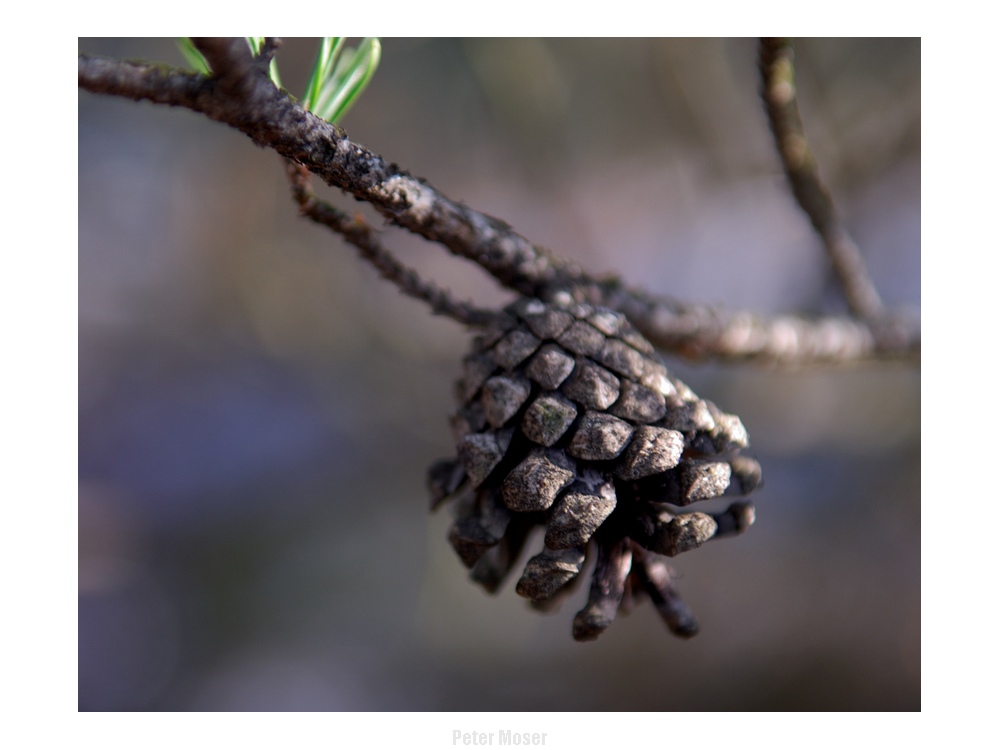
x,y
257,408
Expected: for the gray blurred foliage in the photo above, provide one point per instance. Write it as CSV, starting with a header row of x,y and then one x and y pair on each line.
x,y
257,408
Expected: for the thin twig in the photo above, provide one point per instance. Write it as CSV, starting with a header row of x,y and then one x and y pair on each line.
x,y
778,78
360,234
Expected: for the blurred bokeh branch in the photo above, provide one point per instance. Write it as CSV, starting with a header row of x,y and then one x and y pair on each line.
x,y
781,102
240,93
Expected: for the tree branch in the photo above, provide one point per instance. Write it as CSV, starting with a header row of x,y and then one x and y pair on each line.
x,y
241,95
355,230
272,119
701,332
778,79
268,50
232,64
157,83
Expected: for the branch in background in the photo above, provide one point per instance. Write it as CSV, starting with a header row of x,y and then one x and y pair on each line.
x,y
700,332
356,231
778,78
273,119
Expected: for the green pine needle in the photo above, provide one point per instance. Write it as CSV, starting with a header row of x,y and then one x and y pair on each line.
x,y
194,58
326,62
339,75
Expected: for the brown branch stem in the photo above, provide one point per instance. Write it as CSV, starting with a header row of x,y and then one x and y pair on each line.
x,y
240,94
155,82
701,332
359,233
273,119
781,102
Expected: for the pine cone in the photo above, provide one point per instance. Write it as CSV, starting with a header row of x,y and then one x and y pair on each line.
x,y
568,420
